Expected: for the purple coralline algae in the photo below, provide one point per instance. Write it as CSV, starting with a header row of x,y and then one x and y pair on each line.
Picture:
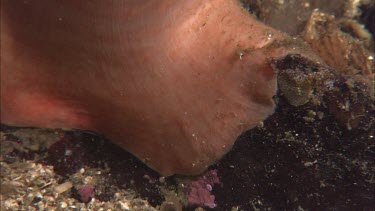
x,y
86,193
199,190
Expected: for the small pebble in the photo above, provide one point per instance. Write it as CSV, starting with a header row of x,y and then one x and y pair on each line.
x,y
63,187
63,205
162,179
11,204
124,205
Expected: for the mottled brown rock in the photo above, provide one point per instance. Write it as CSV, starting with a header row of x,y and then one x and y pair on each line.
x,y
337,48
301,79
